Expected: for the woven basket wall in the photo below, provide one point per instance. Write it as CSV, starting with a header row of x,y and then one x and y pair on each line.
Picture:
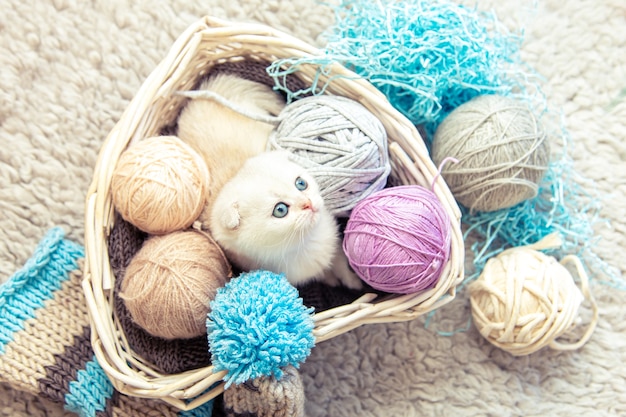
x,y
206,45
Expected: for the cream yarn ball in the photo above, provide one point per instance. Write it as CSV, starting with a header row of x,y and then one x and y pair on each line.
x,y
501,149
524,300
159,185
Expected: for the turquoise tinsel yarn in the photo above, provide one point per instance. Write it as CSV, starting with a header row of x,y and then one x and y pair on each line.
x,y
427,56
258,325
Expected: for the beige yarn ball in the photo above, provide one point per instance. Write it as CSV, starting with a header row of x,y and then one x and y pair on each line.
x,y
169,283
159,185
501,149
524,300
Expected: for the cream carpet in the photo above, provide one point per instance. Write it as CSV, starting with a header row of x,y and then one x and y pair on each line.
x,y
68,68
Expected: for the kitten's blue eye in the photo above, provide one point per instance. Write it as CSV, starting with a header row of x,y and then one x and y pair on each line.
x,y
301,184
280,210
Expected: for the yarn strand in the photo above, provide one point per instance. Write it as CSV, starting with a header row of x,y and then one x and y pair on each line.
x,y
211,95
586,290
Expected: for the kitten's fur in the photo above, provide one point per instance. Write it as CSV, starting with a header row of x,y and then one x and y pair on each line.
x,y
304,244
224,138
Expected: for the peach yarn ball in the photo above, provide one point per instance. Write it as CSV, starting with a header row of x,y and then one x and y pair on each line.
x,y
169,283
159,185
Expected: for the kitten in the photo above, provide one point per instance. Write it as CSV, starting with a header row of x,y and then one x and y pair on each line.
x,y
224,138
271,216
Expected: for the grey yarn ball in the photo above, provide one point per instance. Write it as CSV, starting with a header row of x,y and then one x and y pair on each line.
x,y
502,152
341,144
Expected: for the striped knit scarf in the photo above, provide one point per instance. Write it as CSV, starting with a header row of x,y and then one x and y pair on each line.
x,y
44,338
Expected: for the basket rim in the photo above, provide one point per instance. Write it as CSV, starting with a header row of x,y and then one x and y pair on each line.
x,y
133,376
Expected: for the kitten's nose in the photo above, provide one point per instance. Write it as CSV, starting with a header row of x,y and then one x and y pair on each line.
x,y
308,205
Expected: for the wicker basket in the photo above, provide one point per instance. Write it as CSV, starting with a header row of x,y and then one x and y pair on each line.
x,y
205,44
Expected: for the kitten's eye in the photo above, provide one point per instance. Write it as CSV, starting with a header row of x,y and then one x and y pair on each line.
x,y
280,210
301,184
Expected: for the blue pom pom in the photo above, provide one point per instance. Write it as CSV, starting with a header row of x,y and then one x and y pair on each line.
x,y
258,325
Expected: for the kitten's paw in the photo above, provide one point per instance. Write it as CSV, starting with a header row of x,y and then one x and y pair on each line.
x,y
204,220
342,271
330,279
351,280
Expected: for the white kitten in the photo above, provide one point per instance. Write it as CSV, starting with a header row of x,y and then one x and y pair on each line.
x,y
271,216
224,138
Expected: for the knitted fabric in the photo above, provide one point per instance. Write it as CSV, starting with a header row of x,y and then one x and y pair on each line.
x,y
267,397
45,338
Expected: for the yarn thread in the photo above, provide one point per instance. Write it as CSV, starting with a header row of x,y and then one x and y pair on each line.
x,y
212,95
170,356
340,143
524,300
428,58
398,239
169,283
502,151
159,185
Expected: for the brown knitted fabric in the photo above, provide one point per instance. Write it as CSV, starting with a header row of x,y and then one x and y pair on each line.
x,y
267,397
254,70
324,297
318,295
174,356
63,370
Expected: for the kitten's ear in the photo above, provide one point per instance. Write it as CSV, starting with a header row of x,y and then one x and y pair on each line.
x,y
230,216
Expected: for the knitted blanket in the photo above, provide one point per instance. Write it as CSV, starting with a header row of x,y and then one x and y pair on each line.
x,y
67,72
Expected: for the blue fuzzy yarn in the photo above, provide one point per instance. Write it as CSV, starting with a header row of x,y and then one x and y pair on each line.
x,y
427,56
258,325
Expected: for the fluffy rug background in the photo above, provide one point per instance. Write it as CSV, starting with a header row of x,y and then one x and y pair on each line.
x,y
69,68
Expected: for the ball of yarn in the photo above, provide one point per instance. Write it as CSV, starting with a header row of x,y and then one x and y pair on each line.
x,y
341,143
159,185
502,153
398,239
257,326
169,283
523,300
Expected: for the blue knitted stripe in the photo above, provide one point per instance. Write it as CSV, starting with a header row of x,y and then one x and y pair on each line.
x,y
205,410
89,393
35,283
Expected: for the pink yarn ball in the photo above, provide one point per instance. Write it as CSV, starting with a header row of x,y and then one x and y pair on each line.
x,y
398,239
